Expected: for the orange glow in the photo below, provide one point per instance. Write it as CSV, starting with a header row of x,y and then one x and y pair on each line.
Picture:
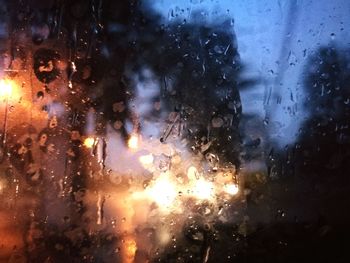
x,y
133,142
130,249
89,142
163,191
10,235
7,89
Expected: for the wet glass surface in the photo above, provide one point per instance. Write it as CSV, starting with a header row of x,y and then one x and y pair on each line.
x,y
174,131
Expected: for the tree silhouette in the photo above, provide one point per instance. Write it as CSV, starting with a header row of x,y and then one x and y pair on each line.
x,y
323,145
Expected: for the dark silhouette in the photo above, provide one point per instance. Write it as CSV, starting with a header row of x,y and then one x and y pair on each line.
x,y
323,147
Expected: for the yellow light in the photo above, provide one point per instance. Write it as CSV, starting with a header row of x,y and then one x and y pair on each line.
x,y
192,174
146,160
6,88
203,189
133,142
130,249
163,191
89,142
231,189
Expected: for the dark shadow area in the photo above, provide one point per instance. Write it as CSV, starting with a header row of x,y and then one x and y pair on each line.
x,y
323,145
300,214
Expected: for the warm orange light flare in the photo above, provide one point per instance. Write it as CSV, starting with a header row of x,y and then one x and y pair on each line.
x,y
133,142
89,142
163,191
6,88
130,249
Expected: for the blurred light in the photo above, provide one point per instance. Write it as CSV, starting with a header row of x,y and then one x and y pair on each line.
x,y
130,249
203,189
133,142
163,191
89,142
146,160
164,236
231,189
192,173
6,88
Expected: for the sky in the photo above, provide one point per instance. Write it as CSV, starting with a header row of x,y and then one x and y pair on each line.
x,y
275,39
